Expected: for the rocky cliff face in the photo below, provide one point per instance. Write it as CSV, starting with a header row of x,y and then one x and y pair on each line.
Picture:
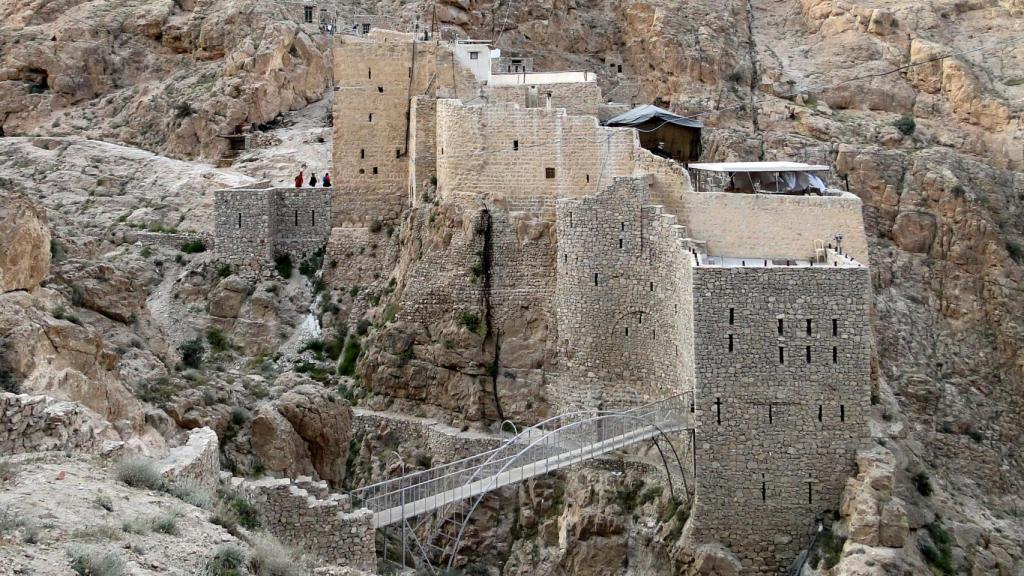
x,y
166,76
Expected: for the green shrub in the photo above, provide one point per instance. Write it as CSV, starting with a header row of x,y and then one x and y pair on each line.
x,y
239,416
192,353
218,341
283,265
376,225
8,383
390,312
906,125
334,347
193,246
650,495
1015,250
311,265
922,483
224,270
939,554
159,391
476,270
271,558
139,472
315,345
104,502
183,110
8,520
166,524
192,493
146,252
348,360
93,561
470,321
353,291
827,550
227,560
363,327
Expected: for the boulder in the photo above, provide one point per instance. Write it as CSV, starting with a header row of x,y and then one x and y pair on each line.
x,y
893,527
25,249
324,421
227,297
278,446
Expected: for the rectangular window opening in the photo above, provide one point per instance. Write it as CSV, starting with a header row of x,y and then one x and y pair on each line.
x,y
808,326
239,219
366,28
312,217
515,144
652,287
835,355
398,152
369,71
771,417
732,316
296,217
730,342
620,243
835,327
474,55
374,169
810,491
808,354
622,226
764,491
718,409
595,278
549,173
781,329
627,330
380,89
362,153
782,355
307,14
588,178
819,412
371,117
842,413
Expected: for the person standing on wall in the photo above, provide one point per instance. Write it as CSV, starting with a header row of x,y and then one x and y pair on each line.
x,y
312,180
298,179
327,179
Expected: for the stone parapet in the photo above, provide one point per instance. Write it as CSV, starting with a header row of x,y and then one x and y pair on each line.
x,y
196,463
257,224
41,423
303,514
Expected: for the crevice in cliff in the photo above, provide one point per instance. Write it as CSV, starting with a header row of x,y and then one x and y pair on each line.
x,y
755,79
487,261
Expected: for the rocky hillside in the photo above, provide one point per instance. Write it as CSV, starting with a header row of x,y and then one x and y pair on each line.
x,y
164,76
99,304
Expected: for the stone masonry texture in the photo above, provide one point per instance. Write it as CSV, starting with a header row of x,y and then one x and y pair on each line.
x,y
259,224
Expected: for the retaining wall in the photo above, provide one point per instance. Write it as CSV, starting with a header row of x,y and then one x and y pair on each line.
x,y
41,423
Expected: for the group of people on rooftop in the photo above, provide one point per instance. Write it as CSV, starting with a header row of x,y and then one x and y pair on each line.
x,y
312,179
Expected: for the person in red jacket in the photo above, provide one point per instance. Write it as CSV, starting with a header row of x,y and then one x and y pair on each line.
x,y
298,179
327,180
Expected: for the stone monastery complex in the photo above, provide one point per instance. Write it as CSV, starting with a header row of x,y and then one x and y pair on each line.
x,y
750,299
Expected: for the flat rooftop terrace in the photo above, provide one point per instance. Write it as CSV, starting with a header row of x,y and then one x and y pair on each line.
x,y
833,260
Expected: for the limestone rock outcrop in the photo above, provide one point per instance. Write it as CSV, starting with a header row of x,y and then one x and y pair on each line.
x,y
25,249
305,431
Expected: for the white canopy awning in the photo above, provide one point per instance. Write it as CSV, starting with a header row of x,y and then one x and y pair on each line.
x,y
758,167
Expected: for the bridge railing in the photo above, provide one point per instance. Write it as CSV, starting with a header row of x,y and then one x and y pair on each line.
x,y
545,446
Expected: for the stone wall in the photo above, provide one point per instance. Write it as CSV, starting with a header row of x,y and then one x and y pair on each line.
x,y
41,423
301,513
375,80
422,147
776,435
579,98
622,301
505,151
444,443
773,226
196,463
258,224
172,241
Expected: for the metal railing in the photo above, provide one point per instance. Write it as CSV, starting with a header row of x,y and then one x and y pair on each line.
x,y
553,444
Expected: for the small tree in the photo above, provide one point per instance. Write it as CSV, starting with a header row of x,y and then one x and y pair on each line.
x,y
192,353
906,125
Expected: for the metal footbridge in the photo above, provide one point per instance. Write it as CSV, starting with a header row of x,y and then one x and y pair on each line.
x,y
553,444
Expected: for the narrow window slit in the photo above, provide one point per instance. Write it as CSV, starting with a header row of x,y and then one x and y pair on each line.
x,y
296,217
718,409
239,219
730,343
835,355
782,355
620,243
819,412
808,326
595,278
771,417
808,354
780,326
732,315
842,413
835,327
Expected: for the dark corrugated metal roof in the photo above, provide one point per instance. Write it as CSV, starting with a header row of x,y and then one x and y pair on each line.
x,y
648,112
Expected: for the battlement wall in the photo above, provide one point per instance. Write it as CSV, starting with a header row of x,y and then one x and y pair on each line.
x,y
782,396
504,151
578,98
622,301
773,226
257,224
